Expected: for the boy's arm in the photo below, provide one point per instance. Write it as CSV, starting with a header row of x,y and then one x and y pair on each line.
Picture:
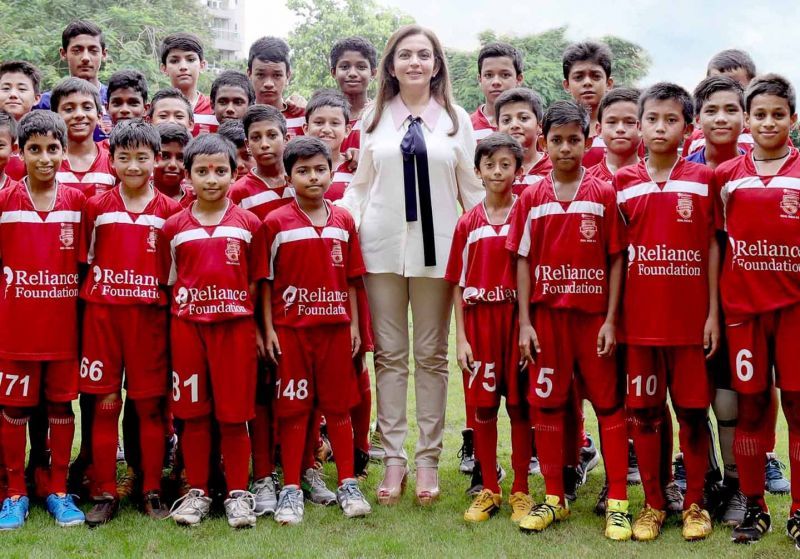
x,y
711,331
355,334
606,338
463,349
271,344
527,335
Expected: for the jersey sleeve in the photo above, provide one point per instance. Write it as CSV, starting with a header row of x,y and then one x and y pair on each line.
x,y
620,199
456,261
716,189
85,243
614,224
518,240
355,260
259,267
169,232
271,229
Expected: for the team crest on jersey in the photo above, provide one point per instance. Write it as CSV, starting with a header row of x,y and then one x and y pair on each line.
x,y
588,227
685,207
152,239
67,236
790,202
233,250
336,253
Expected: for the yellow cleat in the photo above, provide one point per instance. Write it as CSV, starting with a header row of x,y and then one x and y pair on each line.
x,y
618,521
542,516
696,523
647,525
485,505
521,505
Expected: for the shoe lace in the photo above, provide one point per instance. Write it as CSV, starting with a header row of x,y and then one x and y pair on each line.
x,y
618,519
673,492
649,517
316,479
189,501
242,504
293,500
264,484
774,467
543,511
351,492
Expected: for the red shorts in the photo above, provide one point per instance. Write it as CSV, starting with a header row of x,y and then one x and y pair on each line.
x,y
652,368
21,382
214,368
493,334
758,344
315,371
568,341
129,338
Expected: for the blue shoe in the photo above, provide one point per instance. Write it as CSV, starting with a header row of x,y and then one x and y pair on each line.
x,y
64,510
776,483
14,513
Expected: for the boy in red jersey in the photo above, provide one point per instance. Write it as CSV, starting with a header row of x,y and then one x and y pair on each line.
x,y
182,61
499,69
673,265
327,118
218,257
128,261
619,128
169,175
269,70
311,324
761,290
354,64
484,298
519,114
569,238
19,93
234,131
38,315
127,96
231,94
170,105
8,142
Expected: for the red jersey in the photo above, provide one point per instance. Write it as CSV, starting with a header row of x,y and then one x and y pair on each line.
x,y
204,120
670,226
697,141
479,261
536,173
214,265
567,244
15,168
98,178
39,252
353,139
761,215
341,178
252,193
7,182
311,268
601,171
481,127
127,254
295,119
597,152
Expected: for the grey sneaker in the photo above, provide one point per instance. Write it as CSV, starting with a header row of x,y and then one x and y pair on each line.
x,y
315,489
290,506
674,497
352,500
240,509
775,482
467,452
735,509
265,492
190,509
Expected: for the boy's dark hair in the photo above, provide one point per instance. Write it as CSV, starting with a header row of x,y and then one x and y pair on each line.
x,y
232,78
355,44
328,98
134,133
259,113
493,143
68,86
770,84
712,85
170,93
497,50
617,95
234,131
41,123
128,79
269,49
7,121
81,27
209,144
170,132
561,113
304,147
520,95
22,67
587,51
732,59
663,91
181,41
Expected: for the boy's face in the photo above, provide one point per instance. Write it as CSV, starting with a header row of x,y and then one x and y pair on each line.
x,y
17,96
353,73
663,125
269,79
587,83
80,115
7,145
211,176
566,145
266,142
311,177
620,128
126,103
84,56
231,103
498,171
244,161
329,125
183,68
770,121
174,111
134,165
738,74
43,155
721,118
497,75
169,171
520,122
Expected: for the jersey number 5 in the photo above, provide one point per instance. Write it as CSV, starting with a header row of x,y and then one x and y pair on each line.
x,y
490,382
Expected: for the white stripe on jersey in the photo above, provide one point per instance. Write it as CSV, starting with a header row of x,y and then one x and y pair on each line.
x,y
555,208
531,179
303,234
219,231
645,188
598,142
791,183
264,197
28,216
88,178
205,119
338,176
482,133
296,122
697,144
124,217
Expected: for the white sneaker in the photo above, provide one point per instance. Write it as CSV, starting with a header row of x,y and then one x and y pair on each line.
x,y
290,506
352,500
190,509
240,509
315,489
265,495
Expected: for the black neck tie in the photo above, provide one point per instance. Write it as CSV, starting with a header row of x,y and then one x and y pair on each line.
x,y
415,157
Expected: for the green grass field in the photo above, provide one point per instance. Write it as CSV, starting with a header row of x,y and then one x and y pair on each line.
x,y
406,530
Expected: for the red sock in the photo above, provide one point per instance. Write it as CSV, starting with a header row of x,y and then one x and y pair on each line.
x,y
667,445
693,437
360,417
340,432
794,470
261,429
62,431
749,450
14,437
235,445
151,441
771,421
521,443
647,443
292,433
550,444
614,443
197,451
313,441
485,437
105,432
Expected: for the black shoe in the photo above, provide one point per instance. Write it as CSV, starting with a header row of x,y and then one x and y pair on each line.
x,y
105,508
77,481
634,477
793,528
468,463
674,498
572,480
756,523
602,501
360,463
476,483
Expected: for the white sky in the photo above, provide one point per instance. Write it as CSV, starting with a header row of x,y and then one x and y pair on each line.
x,y
680,35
